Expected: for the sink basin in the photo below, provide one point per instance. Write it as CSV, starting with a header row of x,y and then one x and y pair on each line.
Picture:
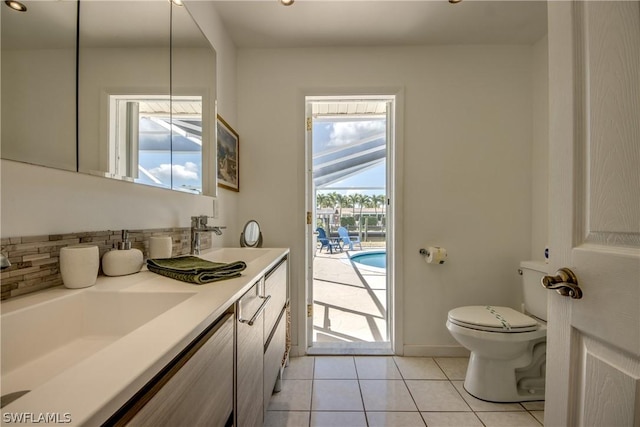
x,y
55,334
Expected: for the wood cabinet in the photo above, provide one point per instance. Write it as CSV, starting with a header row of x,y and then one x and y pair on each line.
x,y
275,285
261,344
273,356
249,369
227,374
196,388
275,328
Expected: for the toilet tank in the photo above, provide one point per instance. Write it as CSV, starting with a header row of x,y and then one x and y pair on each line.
x,y
535,296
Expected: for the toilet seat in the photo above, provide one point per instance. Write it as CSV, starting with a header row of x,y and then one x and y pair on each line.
x,y
492,319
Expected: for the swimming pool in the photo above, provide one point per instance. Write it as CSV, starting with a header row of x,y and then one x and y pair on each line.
x,y
376,259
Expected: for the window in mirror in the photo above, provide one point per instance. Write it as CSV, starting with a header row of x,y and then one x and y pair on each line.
x,y
157,141
186,143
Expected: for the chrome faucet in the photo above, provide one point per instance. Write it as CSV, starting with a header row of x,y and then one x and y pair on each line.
x,y
4,262
199,225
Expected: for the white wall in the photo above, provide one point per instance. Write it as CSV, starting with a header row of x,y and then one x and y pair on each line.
x,y
38,201
466,171
226,71
540,151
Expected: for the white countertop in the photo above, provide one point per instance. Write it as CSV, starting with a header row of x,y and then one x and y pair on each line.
x,y
96,387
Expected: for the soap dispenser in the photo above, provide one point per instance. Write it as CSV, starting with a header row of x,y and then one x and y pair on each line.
x,y
122,260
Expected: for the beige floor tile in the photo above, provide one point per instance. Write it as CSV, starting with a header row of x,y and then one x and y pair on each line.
x,y
482,405
508,419
395,419
287,419
386,395
335,367
336,395
376,368
419,368
333,419
451,419
534,406
454,367
436,396
299,368
295,395
538,415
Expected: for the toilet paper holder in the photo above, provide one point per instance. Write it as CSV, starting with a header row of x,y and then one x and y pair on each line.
x,y
434,254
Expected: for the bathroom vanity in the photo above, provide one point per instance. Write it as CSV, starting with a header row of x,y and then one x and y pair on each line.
x,y
148,350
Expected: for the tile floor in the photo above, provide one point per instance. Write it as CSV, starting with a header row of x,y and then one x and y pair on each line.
x,y
353,391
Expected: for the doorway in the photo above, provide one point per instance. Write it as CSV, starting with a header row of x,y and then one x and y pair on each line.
x,y
349,147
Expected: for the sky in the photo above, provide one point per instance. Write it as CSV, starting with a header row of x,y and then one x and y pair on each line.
x,y
331,135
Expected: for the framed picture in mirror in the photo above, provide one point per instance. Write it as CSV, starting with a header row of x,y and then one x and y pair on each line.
x,y
228,156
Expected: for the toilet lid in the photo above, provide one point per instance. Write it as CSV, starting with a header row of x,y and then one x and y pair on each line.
x,y
493,319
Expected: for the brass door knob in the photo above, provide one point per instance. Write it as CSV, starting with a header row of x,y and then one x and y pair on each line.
x,y
564,282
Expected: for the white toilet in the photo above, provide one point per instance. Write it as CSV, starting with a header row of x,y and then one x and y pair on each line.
x,y
508,348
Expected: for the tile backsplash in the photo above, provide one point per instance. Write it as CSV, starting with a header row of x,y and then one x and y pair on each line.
x,y
34,259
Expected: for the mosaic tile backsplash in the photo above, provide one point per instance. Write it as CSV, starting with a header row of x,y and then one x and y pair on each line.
x,y
34,259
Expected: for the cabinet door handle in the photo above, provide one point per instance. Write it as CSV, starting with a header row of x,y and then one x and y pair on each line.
x,y
257,314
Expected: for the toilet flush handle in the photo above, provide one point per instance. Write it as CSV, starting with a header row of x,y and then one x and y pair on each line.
x,y
564,282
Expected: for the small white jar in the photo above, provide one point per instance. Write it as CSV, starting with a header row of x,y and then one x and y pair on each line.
x,y
79,265
160,247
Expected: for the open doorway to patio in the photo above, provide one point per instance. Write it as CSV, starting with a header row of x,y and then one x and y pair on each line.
x,y
349,289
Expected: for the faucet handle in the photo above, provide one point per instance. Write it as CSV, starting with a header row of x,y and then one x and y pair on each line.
x,y
198,221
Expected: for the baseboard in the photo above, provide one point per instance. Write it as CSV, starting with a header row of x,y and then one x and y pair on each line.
x,y
435,351
411,351
295,351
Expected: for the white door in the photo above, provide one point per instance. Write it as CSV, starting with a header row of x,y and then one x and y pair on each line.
x,y
593,353
361,319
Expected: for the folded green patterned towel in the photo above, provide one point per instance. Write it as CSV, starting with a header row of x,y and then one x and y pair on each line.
x,y
195,270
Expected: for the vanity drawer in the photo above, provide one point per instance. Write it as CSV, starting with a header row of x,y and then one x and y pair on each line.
x,y
197,389
273,356
275,284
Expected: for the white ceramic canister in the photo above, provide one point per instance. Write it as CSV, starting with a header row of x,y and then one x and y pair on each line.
x,y
160,246
79,265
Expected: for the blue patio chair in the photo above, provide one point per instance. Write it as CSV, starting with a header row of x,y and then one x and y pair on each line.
x,y
347,240
325,241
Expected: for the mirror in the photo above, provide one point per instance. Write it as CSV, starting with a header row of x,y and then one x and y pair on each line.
x,y
146,81
144,94
123,71
251,235
39,83
193,106
131,55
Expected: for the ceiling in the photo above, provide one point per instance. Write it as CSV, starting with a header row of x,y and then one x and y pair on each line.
x,y
307,23
329,23
52,24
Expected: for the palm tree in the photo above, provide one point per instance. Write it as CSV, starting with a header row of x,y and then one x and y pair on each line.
x,y
364,201
370,202
351,203
324,201
378,201
339,199
383,204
